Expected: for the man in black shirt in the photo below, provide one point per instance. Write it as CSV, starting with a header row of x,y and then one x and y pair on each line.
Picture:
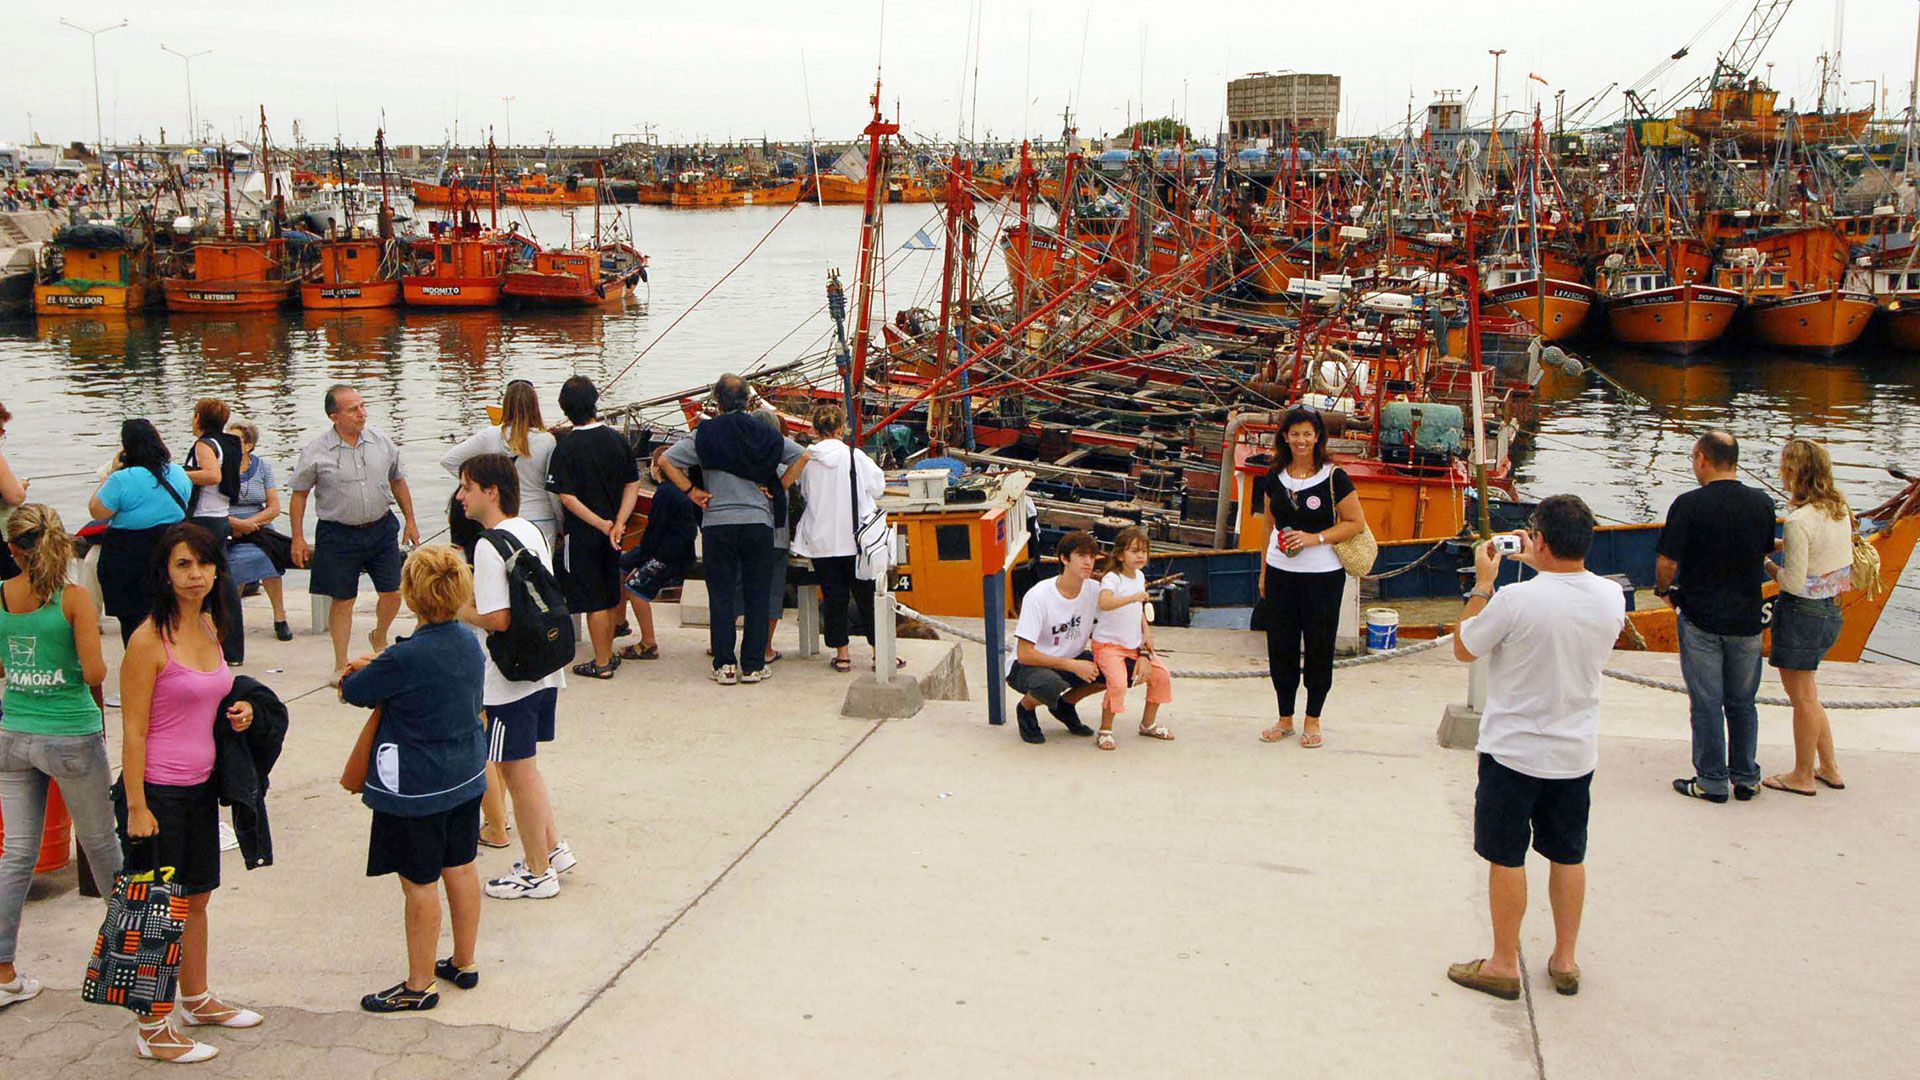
x,y
593,472
1712,556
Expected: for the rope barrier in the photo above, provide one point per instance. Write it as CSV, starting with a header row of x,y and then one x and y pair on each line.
x,y
1680,688
1249,673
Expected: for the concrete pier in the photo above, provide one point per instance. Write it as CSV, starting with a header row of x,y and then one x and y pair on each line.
x,y
769,888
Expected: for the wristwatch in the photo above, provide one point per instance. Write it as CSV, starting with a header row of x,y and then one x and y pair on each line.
x,y
1484,594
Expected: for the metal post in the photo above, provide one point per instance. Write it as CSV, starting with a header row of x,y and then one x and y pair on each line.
x,y
993,594
884,619
188,63
93,46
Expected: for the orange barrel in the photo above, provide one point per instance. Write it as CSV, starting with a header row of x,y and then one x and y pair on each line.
x,y
56,841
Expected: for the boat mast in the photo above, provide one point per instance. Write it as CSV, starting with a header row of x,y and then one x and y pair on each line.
x,y
876,131
493,173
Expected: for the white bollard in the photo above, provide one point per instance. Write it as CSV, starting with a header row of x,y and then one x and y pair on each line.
x,y
884,620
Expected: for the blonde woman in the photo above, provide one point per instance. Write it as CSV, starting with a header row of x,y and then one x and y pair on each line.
x,y
522,436
427,774
1816,567
51,732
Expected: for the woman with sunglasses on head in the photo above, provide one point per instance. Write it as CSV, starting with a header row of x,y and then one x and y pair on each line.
x,y
1310,506
172,682
522,436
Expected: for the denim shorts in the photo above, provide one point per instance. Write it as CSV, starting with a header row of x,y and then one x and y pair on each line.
x,y
1803,631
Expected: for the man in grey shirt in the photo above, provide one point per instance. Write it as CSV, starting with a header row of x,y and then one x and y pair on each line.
x,y
353,475
744,468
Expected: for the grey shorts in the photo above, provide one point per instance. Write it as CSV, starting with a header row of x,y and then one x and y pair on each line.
x,y
1046,684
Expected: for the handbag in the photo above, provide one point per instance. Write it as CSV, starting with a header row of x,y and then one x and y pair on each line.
x,y
1865,574
353,776
136,956
1358,552
278,546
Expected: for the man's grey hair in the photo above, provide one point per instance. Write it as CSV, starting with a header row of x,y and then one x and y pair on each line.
x,y
331,402
730,393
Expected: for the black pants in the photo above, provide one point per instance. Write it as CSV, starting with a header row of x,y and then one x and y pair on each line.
x,y
838,586
1303,607
738,554
233,633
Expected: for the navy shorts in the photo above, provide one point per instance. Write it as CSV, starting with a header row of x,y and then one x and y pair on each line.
x,y
419,848
1509,807
341,553
516,730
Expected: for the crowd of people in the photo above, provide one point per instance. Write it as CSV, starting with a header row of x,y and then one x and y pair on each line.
x,y
460,707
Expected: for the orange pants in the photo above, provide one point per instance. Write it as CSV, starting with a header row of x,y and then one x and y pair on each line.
x,y
1112,661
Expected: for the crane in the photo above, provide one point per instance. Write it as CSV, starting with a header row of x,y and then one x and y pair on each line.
x,y
1734,65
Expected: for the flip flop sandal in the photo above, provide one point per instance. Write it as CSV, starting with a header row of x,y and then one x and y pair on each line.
x,y
775,658
1157,731
898,663
1829,783
640,652
484,842
841,664
1310,740
1778,784
1276,733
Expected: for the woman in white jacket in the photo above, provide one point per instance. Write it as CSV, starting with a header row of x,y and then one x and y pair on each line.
x,y
825,533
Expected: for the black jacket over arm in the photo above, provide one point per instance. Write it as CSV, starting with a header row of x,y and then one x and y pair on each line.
x,y
242,761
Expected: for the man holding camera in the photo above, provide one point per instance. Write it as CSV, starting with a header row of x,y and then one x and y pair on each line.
x,y
1547,640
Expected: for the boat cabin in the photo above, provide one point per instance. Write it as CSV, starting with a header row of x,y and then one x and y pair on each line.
x,y
221,260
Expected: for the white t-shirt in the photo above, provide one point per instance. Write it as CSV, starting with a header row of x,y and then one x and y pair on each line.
x,y
1057,625
1316,559
213,502
490,595
1121,626
1547,640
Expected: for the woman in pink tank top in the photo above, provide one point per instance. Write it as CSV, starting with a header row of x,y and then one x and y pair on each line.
x,y
171,685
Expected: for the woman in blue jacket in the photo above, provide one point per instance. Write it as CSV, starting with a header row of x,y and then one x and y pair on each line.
x,y
427,773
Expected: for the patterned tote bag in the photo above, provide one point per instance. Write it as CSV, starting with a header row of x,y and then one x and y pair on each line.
x,y
136,958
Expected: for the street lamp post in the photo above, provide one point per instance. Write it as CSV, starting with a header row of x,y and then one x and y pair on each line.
x,y
93,46
1493,134
188,58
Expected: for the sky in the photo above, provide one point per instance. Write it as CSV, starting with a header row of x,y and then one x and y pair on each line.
x,y
748,68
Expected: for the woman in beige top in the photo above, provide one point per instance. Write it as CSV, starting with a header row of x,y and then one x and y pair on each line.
x,y
1816,567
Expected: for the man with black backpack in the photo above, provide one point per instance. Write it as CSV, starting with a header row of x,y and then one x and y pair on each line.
x,y
529,639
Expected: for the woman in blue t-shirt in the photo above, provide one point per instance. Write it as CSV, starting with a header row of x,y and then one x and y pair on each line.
x,y
143,495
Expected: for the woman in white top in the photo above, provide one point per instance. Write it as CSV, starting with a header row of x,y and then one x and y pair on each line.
x,y
522,436
1122,636
207,468
1816,567
825,532
1310,506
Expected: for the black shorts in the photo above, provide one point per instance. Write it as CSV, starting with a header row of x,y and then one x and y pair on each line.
x,y
189,836
589,571
418,848
516,730
341,553
1509,805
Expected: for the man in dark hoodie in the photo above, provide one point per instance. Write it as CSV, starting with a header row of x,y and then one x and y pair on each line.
x,y
746,467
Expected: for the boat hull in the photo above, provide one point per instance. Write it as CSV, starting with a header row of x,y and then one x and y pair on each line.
x,y
1820,322
563,290
1902,317
451,292
61,298
354,296
1680,319
193,295
1560,307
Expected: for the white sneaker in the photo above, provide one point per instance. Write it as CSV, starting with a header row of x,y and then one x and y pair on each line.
x,y
561,859
726,675
20,989
521,885
759,676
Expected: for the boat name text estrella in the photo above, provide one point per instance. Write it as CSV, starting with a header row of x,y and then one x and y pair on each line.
x,y
440,290
70,300
338,294
213,296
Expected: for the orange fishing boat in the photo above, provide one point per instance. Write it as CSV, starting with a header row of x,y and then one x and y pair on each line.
x,y
353,274
1556,308
231,275
651,194
1744,110
1645,307
835,189
1792,281
577,277
93,270
535,190
1896,289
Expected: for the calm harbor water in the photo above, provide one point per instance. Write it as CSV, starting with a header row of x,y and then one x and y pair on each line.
x,y
428,377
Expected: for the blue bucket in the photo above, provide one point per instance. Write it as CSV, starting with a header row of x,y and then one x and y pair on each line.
x,y
1383,629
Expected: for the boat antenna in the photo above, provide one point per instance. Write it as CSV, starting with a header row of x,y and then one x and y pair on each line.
x,y
813,143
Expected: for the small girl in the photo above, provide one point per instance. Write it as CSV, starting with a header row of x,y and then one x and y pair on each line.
x,y
1122,633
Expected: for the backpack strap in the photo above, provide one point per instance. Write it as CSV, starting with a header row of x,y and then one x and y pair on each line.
x,y
504,542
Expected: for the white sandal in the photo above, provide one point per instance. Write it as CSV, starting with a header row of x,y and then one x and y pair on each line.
x,y
226,1016
147,1036
1104,739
